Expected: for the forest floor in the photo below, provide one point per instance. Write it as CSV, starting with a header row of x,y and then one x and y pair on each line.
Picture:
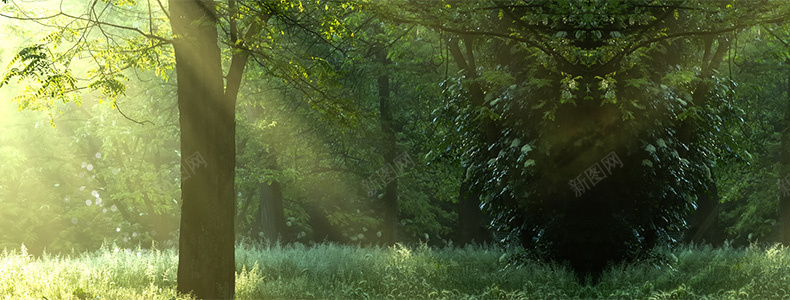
x,y
348,272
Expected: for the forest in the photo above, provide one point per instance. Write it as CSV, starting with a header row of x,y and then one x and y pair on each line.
x,y
394,149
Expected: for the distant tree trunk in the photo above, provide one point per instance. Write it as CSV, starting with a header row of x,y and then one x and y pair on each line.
x,y
390,199
784,157
472,226
704,221
271,217
470,218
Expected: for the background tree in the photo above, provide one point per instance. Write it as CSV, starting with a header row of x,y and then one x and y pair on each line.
x,y
751,208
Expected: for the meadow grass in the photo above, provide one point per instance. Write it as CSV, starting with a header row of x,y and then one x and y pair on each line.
x,y
399,272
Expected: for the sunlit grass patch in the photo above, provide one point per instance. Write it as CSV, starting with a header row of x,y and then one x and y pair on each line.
x,y
348,272
109,273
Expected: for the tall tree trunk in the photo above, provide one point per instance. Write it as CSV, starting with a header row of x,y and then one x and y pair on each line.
x,y
206,261
269,224
271,217
784,175
390,199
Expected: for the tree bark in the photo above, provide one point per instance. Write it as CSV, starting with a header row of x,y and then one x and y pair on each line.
x,y
471,221
206,261
390,198
271,217
704,225
784,157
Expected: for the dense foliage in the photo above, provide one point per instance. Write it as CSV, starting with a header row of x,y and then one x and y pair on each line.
x,y
548,92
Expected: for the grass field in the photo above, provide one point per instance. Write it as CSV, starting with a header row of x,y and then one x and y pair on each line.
x,y
347,272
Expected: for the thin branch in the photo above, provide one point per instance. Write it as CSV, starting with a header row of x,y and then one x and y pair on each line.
x,y
33,18
642,44
98,22
118,107
150,19
774,35
163,9
543,48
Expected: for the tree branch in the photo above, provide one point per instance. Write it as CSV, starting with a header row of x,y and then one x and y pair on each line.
x,y
608,68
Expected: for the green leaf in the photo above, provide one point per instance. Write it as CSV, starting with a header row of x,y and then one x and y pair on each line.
x,y
526,148
529,163
650,148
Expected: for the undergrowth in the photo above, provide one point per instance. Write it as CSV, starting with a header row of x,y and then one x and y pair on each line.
x,y
399,272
